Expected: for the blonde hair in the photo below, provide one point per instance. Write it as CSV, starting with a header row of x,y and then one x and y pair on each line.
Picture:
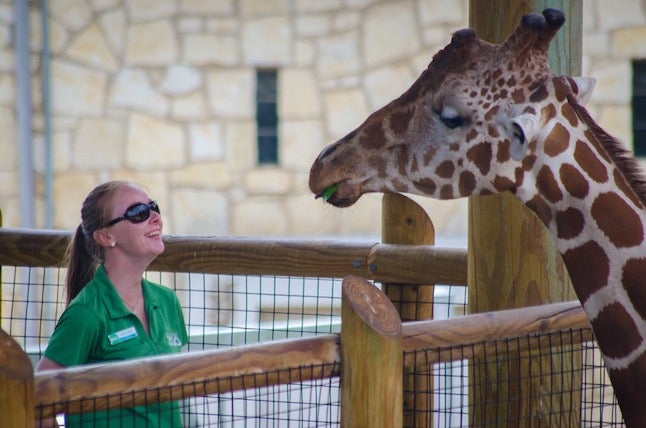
x,y
83,253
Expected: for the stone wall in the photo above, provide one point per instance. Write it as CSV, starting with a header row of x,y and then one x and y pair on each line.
x,y
162,92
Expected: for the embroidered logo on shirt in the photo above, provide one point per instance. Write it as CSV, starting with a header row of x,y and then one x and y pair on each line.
x,y
173,339
122,335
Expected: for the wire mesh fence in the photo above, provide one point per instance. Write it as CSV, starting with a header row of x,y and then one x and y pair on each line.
x,y
224,311
302,403
547,380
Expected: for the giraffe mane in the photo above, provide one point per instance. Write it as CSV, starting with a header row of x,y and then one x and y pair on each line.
x,y
617,151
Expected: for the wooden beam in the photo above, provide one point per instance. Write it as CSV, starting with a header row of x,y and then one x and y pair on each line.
x,y
16,385
371,358
127,383
416,264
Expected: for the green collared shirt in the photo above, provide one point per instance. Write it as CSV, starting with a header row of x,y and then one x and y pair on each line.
x,y
97,327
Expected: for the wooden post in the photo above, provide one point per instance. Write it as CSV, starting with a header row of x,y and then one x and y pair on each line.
x,y
405,222
371,358
16,385
512,259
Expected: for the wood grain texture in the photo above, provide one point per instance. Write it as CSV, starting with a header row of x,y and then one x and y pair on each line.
x,y
16,385
253,256
127,383
371,358
513,261
405,222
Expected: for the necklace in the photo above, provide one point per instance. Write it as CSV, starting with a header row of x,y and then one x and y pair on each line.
x,y
133,308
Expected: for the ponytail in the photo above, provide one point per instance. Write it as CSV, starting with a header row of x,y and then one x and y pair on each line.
x,y
80,263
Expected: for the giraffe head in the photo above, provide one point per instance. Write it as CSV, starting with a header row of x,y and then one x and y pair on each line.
x,y
468,125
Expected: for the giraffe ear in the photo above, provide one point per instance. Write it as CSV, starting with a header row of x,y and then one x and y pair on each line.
x,y
523,130
582,88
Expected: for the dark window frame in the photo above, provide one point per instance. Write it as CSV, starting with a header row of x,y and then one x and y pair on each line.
x,y
638,104
267,116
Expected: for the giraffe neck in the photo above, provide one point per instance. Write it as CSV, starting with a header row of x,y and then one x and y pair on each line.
x,y
589,198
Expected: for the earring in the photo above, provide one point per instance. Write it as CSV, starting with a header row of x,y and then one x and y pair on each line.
x,y
112,244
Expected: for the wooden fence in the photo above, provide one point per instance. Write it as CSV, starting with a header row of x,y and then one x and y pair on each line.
x,y
368,323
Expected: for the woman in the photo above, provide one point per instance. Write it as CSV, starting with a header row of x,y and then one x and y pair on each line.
x,y
113,313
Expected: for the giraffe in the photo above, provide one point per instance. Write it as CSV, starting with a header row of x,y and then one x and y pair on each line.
x,y
487,118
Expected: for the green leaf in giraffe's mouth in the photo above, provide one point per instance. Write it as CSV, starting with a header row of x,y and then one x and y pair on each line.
x,y
328,192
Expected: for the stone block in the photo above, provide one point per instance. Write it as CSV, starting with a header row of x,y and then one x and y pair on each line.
x,y
209,49
298,95
77,91
231,93
613,82
206,175
311,217
300,142
241,147
346,109
153,143
132,90
629,42
209,7
387,83
69,192
91,48
190,107
390,33
252,8
206,141
114,27
259,216
338,55
152,44
267,41
180,80
99,144
268,180
199,212
149,10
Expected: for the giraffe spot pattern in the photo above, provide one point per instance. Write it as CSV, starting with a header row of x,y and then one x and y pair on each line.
x,y
502,183
617,220
569,114
503,154
634,281
539,94
426,186
548,112
623,185
399,121
615,331
446,192
481,155
590,163
373,137
547,185
467,183
592,138
558,140
589,267
573,181
445,169
540,207
569,223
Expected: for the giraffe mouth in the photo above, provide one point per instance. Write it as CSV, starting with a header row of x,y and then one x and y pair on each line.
x,y
339,194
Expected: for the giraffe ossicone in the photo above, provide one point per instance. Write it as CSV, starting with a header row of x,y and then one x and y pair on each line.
x,y
486,118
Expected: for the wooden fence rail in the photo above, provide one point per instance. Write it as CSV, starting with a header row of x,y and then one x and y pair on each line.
x,y
95,383
412,264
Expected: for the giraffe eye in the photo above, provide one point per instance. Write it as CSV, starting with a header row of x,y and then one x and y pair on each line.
x,y
450,117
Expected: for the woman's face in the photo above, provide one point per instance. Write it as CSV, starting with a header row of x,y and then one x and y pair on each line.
x,y
143,239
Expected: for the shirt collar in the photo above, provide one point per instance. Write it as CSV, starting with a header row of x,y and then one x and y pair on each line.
x,y
113,303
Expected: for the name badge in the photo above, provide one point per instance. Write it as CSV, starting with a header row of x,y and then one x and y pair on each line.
x,y
122,335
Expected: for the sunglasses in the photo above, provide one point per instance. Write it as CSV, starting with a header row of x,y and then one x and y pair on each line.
x,y
136,213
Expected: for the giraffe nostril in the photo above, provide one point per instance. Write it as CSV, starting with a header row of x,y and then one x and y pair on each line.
x,y
328,151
